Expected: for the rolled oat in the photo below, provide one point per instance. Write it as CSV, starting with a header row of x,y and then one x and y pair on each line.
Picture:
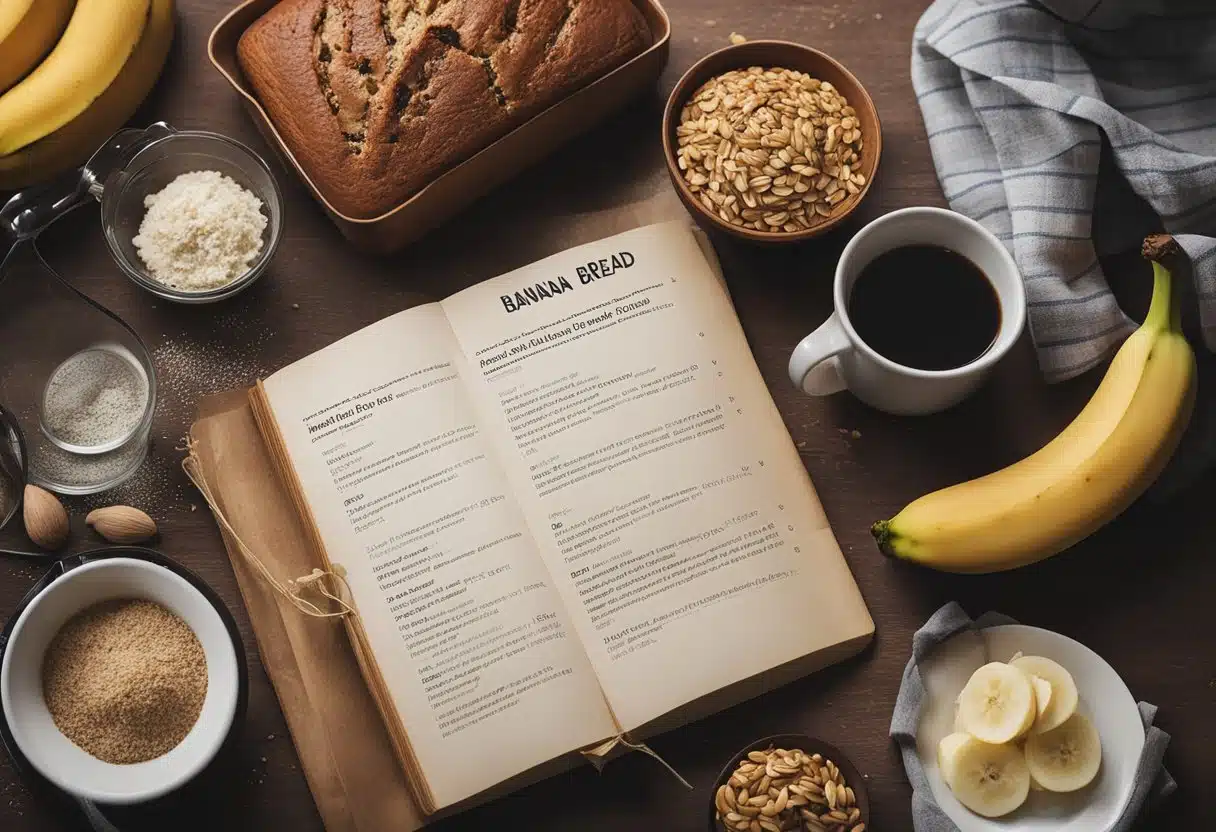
x,y
772,150
781,790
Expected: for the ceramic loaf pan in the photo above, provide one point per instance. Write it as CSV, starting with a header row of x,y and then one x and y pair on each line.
x,y
482,172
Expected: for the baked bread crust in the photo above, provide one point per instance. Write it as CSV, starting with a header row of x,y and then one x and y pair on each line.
x,y
375,98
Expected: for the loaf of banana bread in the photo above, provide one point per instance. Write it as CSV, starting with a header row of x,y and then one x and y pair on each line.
x,y
376,98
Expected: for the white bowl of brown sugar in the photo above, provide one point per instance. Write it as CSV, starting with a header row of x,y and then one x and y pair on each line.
x,y
120,681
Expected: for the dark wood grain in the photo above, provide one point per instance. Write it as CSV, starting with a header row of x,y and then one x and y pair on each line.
x,y
1140,593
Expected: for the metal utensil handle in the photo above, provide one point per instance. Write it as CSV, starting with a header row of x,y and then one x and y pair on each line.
x,y
21,553
118,152
12,447
29,212
96,819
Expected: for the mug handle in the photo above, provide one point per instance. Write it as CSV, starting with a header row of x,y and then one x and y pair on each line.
x,y
814,366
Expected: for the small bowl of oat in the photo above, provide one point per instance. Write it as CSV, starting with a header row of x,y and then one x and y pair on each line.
x,y
771,142
789,783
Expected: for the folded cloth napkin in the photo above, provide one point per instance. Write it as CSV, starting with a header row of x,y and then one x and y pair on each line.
x,y
1153,782
1024,110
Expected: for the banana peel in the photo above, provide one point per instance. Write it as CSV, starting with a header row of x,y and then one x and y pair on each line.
x,y
1085,477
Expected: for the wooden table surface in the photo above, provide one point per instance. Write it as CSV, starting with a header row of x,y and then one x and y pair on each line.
x,y
1140,592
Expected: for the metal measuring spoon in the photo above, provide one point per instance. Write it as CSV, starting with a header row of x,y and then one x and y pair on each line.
x,y
12,463
18,553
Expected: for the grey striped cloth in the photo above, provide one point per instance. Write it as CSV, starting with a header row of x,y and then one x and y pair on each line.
x,y
1067,142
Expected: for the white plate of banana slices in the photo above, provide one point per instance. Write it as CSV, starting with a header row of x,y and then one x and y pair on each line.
x,y
1025,730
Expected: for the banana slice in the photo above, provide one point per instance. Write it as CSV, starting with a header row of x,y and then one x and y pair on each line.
x,y
997,705
1063,703
1042,696
1067,758
990,780
947,755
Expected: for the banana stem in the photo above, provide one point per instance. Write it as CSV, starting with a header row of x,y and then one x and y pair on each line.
x,y
1176,310
1165,311
882,535
1161,310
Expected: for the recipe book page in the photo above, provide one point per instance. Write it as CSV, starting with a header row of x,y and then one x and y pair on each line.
x,y
674,514
471,639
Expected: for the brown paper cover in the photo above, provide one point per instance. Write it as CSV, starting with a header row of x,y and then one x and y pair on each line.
x,y
344,750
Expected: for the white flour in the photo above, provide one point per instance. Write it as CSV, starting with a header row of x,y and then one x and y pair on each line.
x,y
201,232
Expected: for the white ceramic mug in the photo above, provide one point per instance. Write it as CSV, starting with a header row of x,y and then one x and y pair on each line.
x,y
834,358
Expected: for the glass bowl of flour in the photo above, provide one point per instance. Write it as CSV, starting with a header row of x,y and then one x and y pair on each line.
x,y
193,217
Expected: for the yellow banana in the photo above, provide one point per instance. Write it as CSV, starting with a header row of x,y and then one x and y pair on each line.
x,y
97,42
1082,479
71,145
29,30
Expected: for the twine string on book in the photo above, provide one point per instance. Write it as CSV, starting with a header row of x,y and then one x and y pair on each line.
x,y
293,589
598,756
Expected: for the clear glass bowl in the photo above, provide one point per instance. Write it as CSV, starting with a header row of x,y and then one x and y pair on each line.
x,y
156,165
45,322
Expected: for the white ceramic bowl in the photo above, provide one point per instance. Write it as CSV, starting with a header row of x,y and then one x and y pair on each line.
x,y
1104,698
51,753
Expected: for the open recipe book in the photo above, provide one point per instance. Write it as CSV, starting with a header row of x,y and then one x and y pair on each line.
x,y
566,508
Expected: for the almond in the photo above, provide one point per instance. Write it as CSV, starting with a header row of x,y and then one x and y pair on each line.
x,y
122,524
46,521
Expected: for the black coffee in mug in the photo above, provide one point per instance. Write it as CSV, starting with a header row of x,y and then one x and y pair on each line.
x,y
925,307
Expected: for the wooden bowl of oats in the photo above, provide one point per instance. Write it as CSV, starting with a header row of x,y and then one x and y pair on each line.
x,y
771,142
789,783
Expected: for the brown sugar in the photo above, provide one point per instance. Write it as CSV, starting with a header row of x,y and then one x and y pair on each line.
x,y
125,680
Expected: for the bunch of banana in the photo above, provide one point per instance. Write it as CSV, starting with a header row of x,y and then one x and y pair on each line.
x,y
95,73
1083,478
